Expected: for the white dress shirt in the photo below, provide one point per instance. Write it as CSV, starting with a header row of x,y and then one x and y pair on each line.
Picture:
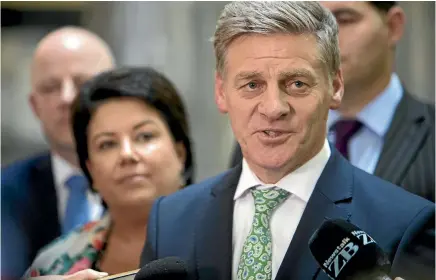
x,y
62,171
285,219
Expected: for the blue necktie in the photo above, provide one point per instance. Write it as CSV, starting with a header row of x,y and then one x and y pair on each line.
x,y
77,211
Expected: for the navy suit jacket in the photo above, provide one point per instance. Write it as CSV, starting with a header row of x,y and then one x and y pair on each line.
x,y
29,216
195,224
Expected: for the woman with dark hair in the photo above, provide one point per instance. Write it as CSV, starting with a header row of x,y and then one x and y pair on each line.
x,y
133,144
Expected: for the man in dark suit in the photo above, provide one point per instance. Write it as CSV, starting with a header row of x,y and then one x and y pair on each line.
x,y
46,195
379,127
277,75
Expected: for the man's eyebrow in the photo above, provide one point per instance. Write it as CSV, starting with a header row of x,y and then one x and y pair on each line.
x,y
296,73
247,75
252,75
345,11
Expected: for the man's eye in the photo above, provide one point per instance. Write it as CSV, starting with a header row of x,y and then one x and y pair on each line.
x,y
345,19
252,85
299,84
49,88
298,87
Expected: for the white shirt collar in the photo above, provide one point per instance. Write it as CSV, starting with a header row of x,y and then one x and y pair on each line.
x,y
377,115
62,170
300,182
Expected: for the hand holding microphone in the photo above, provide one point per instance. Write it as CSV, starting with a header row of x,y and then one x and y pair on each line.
x,y
86,274
170,268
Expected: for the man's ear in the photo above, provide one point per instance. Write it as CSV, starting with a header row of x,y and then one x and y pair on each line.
x,y
396,20
220,97
338,90
33,104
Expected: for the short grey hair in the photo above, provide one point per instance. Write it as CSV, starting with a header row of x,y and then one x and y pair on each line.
x,y
278,17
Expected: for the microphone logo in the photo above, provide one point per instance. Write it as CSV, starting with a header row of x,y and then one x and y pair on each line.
x,y
345,251
343,257
363,236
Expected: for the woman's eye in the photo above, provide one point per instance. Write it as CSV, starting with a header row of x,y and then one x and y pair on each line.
x,y
144,137
106,145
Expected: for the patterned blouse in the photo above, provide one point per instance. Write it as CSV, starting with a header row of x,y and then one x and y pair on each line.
x,y
73,252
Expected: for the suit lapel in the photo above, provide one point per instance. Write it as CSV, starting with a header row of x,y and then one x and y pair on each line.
x,y
403,139
330,199
43,214
214,233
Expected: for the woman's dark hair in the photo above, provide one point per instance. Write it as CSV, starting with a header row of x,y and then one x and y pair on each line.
x,y
143,83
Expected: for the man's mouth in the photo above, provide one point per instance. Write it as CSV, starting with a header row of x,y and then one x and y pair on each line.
x,y
272,133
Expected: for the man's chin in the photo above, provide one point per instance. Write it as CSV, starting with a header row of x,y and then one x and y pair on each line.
x,y
273,162
65,144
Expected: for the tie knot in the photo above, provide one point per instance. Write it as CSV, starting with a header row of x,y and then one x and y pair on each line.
x,y
344,130
267,200
77,183
347,128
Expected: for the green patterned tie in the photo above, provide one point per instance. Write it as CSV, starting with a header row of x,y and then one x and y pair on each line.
x,y
256,257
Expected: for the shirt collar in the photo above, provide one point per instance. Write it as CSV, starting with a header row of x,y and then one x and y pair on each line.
x,y
378,114
300,182
62,169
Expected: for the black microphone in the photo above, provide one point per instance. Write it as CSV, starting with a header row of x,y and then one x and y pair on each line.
x,y
345,252
170,268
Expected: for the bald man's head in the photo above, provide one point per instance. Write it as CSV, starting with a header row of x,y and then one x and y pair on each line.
x,y
63,61
68,41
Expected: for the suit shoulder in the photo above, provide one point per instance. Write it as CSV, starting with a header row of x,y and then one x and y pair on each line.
x,y
388,194
194,191
430,112
179,211
18,172
427,107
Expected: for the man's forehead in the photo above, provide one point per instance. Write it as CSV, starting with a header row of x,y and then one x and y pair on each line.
x,y
68,55
57,72
71,63
292,53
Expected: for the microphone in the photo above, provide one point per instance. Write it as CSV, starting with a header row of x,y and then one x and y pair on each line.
x,y
169,268
345,252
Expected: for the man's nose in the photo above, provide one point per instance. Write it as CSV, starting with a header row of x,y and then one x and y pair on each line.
x,y
68,91
274,104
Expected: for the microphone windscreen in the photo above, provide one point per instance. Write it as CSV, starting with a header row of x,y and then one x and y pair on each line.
x,y
344,251
169,268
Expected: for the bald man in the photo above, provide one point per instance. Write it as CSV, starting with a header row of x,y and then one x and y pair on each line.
x,y
46,195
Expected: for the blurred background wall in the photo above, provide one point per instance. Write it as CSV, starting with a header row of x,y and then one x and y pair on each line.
x,y
174,38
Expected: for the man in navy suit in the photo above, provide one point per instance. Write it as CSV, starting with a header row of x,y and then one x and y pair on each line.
x,y
46,195
277,75
380,126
